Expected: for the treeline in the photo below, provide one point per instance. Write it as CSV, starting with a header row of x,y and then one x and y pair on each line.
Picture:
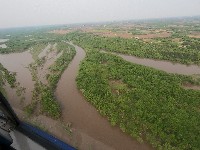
x,y
22,42
187,53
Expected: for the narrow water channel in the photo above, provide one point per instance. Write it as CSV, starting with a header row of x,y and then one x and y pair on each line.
x,y
166,66
84,117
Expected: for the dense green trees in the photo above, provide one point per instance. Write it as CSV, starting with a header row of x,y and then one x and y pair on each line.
x,y
49,103
146,103
20,42
187,53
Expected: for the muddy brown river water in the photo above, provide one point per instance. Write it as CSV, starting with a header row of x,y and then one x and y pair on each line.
x,y
84,116
18,62
163,65
85,119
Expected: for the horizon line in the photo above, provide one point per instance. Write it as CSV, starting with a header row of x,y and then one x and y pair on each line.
x,y
99,22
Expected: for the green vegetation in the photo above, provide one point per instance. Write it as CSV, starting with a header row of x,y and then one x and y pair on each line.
x,y
146,103
165,49
7,76
16,45
10,78
20,90
43,95
49,103
61,63
29,109
22,41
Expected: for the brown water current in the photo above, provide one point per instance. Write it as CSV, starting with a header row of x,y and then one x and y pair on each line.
x,y
18,62
163,65
166,66
84,117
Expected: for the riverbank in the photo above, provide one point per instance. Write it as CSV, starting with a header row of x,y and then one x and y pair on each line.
x,y
166,66
84,117
81,124
142,101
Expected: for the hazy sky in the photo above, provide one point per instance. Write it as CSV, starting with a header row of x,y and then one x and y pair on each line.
x,y
14,13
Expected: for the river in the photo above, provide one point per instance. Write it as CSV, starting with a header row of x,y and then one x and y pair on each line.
x,y
18,62
166,66
85,119
84,116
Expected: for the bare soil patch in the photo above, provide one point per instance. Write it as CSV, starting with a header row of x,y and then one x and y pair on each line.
x,y
154,35
117,86
190,86
194,35
44,51
115,34
107,33
177,40
126,35
61,31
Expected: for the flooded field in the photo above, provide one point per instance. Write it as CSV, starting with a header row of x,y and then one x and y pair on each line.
x,y
130,84
44,52
18,62
50,57
90,129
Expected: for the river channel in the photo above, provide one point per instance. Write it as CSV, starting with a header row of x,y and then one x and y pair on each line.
x,y
75,108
